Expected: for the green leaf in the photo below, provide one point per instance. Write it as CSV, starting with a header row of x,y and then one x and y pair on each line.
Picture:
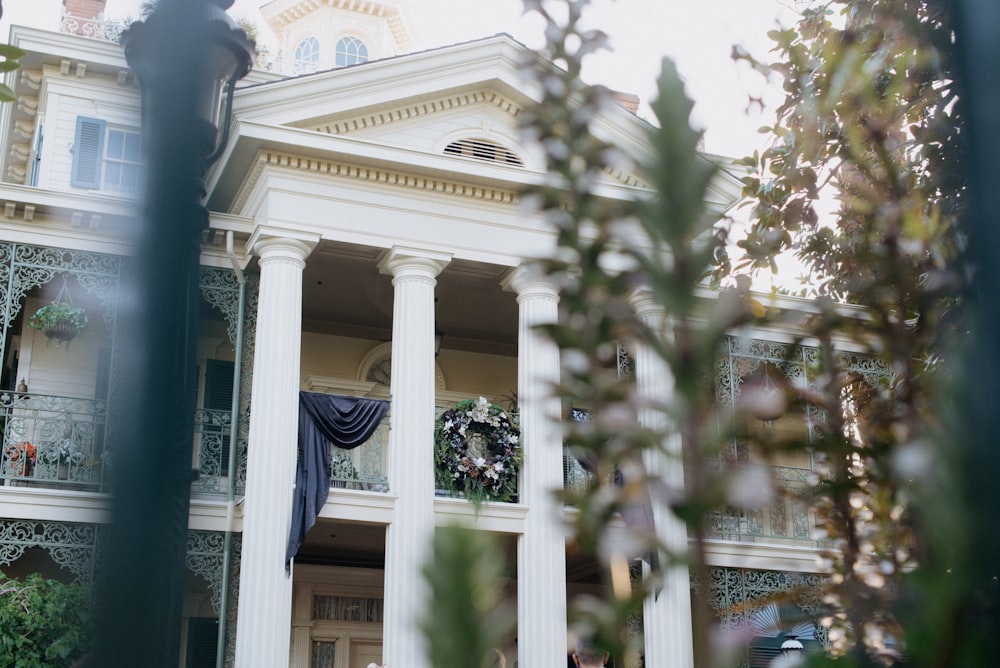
x,y
471,619
8,51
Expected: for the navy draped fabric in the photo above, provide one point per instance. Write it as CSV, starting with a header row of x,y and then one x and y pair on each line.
x,y
346,422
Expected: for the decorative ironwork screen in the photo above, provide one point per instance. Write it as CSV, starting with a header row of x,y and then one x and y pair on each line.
x,y
741,597
788,517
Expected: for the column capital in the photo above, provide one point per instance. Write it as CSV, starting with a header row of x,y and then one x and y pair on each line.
x,y
530,280
268,240
400,260
647,308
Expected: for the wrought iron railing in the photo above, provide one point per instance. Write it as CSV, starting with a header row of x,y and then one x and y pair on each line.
x,y
107,30
212,434
787,519
53,441
575,477
364,467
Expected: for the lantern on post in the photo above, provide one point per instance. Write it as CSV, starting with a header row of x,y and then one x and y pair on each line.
x,y
186,55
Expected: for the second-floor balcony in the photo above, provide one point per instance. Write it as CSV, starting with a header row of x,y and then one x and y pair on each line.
x,y
364,467
54,441
787,518
62,442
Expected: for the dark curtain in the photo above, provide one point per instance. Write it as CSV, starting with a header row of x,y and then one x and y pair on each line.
x,y
325,419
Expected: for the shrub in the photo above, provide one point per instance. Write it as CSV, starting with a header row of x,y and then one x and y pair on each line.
x,y
43,623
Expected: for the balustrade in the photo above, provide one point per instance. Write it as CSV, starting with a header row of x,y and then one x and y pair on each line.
x,y
53,440
212,434
364,467
786,519
106,30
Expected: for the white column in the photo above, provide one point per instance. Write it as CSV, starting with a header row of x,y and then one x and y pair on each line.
x,y
541,550
265,607
667,619
411,453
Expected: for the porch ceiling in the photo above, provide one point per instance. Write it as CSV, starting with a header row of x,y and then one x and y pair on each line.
x,y
344,294
330,542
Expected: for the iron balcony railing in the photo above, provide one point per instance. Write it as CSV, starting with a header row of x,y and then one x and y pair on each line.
x,y
60,442
787,519
212,437
107,30
53,441
364,467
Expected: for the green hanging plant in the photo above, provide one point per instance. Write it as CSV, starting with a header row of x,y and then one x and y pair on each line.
x,y
60,321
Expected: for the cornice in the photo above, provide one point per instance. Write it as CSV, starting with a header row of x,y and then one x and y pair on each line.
x,y
418,110
374,175
427,108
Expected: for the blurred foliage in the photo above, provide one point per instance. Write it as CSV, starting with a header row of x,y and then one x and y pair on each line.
x,y
11,56
869,118
43,623
468,619
872,124
872,120
612,253
263,60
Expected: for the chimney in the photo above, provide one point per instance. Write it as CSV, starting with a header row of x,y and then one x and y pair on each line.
x,y
627,101
82,17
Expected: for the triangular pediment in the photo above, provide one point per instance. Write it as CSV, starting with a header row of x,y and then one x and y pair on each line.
x,y
471,123
446,108
420,102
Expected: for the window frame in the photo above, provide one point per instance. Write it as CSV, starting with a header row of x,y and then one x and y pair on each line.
x,y
306,63
90,157
350,50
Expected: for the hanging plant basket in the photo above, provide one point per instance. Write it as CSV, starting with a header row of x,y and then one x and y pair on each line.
x,y
59,321
63,330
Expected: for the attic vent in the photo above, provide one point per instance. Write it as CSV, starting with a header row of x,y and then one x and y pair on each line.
x,y
483,150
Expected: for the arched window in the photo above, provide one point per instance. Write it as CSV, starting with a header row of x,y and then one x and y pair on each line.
x,y
306,56
351,51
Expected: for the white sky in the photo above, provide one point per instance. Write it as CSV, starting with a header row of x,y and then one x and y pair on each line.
x,y
697,34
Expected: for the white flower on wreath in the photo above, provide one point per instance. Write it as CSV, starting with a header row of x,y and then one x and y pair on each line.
x,y
480,412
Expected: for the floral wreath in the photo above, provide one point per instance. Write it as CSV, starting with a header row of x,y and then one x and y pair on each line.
x,y
477,450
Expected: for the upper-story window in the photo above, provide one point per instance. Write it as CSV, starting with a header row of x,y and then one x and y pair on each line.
x,y
306,56
105,157
351,51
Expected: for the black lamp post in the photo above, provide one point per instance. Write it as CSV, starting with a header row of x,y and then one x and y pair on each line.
x,y
185,55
